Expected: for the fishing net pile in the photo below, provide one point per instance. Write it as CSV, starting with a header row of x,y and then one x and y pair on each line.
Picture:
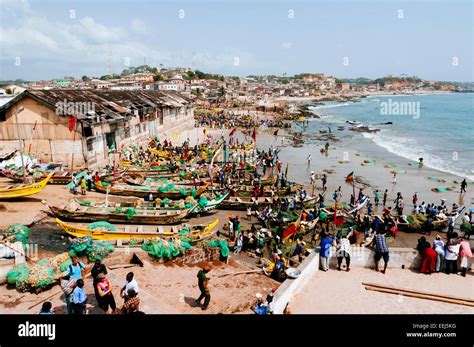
x,y
176,204
40,275
222,244
17,232
94,250
163,249
129,212
170,187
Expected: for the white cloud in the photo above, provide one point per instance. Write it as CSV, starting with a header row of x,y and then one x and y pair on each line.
x,y
138,26
86,44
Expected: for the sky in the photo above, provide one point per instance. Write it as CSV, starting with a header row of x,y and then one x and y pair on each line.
x,y
46,39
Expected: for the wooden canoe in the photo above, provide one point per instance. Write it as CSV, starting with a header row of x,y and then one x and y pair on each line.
x,y
144,191
237,203
133,232
21,190
80,213
211,204
58,177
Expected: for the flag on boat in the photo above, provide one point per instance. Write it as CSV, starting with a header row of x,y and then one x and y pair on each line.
x,y
350,178
254,134
72,123
232,132
276,133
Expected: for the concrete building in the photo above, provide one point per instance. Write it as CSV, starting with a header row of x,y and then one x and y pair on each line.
x,y
167,86
106,121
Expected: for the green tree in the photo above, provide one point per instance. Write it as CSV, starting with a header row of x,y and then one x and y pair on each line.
x,y
157,78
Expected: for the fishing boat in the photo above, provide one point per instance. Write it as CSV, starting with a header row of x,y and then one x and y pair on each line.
x,y
21,190
58,177
443,223
241,203
170,192
139,232
247,191
210,205
204,204
74,211
158,182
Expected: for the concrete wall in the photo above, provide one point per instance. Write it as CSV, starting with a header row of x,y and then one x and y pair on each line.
x,y
290,287
364,257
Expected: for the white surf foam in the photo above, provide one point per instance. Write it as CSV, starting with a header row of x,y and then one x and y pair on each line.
x,y
410,149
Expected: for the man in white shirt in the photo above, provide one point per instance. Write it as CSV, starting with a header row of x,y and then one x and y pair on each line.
x,y
130,283
466,219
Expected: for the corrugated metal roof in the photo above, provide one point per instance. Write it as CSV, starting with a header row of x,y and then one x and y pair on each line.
x,y
109,106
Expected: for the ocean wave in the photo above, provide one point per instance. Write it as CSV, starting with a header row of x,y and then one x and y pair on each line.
x,y
330,106
410,149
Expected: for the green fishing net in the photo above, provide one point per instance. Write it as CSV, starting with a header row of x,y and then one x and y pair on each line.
x,y
19,274
99,250
102,225
222,244
130,212
17,232
203,202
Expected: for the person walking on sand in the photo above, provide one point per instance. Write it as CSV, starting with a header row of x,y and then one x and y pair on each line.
x,y
83,186
203,284
324,180
394,179
385,196
312,178
308,159
377,198
463,186
415,198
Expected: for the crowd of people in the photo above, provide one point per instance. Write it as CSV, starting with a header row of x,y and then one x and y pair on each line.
x,y
77,299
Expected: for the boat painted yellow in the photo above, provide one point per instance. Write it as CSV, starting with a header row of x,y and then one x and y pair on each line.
x,y
127,232
21,190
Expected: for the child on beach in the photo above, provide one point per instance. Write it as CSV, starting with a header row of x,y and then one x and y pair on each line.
x,y
83,186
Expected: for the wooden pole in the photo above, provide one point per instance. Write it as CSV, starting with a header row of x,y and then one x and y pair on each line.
x,y
21,145
419,294
73,145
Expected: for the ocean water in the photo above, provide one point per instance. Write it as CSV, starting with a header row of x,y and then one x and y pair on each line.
x,y
436,127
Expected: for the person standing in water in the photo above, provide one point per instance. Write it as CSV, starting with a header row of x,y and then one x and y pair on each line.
x,y
308,159
463,186
394,179
385,196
